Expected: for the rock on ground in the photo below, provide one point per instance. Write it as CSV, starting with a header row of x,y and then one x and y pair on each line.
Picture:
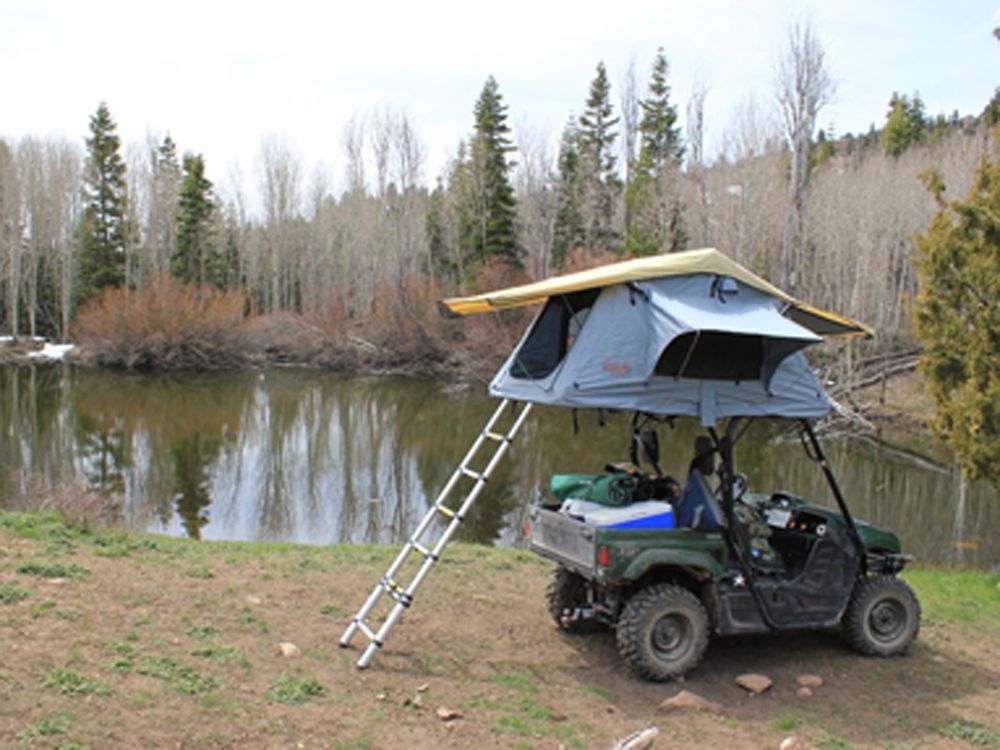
x,y
687,699
755,683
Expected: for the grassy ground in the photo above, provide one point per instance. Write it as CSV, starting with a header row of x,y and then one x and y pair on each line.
x,y
113,640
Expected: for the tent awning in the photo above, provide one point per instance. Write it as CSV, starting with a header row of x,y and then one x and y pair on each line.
x,y
707,260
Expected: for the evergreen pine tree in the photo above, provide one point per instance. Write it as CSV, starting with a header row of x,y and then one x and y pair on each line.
x,y
103,231
598,164
660,146
653,199
490,230
569,231
896,133
195,259
958,318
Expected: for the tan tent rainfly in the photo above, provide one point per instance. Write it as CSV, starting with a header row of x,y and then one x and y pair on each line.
x,y
707,260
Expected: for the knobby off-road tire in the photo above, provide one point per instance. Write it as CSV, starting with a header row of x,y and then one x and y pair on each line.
x,y
883,616
567,591
662,632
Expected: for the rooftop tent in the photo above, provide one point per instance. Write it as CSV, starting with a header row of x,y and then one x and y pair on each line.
x,y
691,334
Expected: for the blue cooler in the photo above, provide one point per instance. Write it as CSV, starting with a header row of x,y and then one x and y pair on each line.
x,y
648,514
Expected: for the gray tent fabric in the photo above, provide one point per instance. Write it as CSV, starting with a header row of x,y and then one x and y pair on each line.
x,y
701,345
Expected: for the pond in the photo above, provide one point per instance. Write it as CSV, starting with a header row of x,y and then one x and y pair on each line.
x,y
318,457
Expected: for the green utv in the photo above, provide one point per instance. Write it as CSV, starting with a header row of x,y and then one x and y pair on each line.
x,y
715,561
682,335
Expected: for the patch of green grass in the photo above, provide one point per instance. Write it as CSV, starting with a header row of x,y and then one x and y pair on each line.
x,y
70,682
833,742
48,726
294,691
55,570
958,595
333,610
786,723
522,714
972,732
40,609
220,653
182,678
203,631
247,618
11,593
199,571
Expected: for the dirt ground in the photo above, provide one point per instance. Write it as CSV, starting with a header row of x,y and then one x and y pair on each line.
x,y
112,641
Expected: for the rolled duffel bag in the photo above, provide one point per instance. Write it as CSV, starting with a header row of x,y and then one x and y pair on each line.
x,y
613,490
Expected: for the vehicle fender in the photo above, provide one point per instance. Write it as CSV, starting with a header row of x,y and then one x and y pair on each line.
x,y
650,559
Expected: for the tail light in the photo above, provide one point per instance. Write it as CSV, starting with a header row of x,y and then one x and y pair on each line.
x,y
603,556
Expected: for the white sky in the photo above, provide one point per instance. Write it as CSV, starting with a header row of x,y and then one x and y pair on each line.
x,y
221,75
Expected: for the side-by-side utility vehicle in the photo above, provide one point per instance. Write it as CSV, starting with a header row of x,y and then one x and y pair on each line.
x,y
667,563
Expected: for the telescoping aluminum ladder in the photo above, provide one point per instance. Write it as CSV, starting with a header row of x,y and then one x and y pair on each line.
x,y
403,595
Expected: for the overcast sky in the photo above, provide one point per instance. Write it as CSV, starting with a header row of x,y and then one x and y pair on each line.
x,y
219,76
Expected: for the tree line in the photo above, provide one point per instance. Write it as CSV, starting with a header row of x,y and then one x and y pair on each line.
x,y
830,218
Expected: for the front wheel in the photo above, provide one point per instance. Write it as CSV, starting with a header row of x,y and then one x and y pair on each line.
x,y
883,616
662,632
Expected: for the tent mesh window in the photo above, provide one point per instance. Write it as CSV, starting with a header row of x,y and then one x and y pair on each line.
x,y
714,356
552,335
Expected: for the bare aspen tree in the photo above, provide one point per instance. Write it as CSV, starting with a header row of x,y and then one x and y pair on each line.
x,y
280,175
408,154
36,221
163,180
353,142
696,163
10,236
803,88
536,199
629,103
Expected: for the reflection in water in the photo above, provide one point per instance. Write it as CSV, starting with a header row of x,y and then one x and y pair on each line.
x,y
318,457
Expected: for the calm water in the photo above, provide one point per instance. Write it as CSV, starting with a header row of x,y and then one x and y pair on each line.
x,y
316,457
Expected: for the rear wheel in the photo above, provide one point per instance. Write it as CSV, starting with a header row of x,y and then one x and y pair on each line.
x,y
883,616
566,594
662,632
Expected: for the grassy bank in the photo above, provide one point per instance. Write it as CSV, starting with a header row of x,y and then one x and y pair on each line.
x,y
114,640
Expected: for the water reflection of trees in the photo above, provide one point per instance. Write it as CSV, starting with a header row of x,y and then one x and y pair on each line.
x,y
321,458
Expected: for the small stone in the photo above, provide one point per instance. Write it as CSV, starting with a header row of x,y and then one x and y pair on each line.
x,y
289,650
448,714
381,697
810,681
687,699
423,688
938,659
251,599
57,581
794,743
804,692
755,683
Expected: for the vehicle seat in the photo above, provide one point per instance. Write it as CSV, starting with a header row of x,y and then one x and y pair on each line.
x,y
698,507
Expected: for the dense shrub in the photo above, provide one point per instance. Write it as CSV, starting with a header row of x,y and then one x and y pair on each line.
x,y
166,325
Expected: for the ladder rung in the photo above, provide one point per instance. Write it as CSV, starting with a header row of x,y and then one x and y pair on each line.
x,y
396,591
474,474
363,627
498,437
446,512
423,550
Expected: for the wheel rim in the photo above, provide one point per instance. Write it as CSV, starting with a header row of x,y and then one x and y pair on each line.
x,y
887,620
670,636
